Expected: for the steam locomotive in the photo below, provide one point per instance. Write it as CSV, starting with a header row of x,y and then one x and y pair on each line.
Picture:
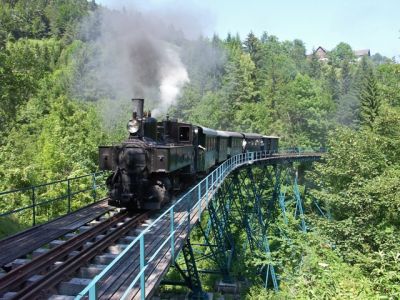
x,y
160,159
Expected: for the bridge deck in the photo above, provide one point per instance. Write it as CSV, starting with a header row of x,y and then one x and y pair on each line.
x,y
23,243
122,277
117,282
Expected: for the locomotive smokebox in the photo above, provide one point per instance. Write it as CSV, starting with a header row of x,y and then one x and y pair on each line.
x,y
138,107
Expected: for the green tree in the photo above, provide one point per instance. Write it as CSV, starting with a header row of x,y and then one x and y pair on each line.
x,y
64,16
239,79
23,64
233,41
388,76
358,182
297,52
379,59
370,101
306,110
333,83
253,47
346,78
24,18
348,111
363,68
340,53
315,66
277,69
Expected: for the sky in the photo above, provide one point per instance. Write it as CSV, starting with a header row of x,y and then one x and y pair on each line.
x,y
364,24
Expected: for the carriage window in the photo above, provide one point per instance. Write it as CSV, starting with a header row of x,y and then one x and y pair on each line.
x,y
184,134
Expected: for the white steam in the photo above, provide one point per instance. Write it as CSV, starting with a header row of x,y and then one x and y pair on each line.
x,y
137,55
173,78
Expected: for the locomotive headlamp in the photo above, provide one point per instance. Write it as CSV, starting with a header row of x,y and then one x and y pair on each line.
x,y
133,126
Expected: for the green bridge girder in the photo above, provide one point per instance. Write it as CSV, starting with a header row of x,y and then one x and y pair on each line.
x,y
255,194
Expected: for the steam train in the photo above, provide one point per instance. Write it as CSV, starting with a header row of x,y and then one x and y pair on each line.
x,y
159,159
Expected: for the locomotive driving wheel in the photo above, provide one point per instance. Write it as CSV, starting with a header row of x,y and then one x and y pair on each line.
x,y
160,193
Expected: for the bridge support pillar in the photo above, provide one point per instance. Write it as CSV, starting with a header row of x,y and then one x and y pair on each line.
x,y
191,277
218,244
257,207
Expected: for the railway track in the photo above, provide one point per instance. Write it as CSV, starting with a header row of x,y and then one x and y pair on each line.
x,y
46,276
19,248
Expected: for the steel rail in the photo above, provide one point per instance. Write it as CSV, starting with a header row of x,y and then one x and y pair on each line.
x,y
17,276
19,237
40,287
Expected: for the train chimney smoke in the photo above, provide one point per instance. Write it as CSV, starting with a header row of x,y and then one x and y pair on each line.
x,y
138,107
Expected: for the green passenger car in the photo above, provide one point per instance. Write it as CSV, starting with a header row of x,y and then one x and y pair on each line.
x,y
234,142
270,144
222,146
254,142
207,148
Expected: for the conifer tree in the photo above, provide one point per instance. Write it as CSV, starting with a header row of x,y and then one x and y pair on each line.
x,y
370,101
346,77
253,47
333,83
315,66
362,72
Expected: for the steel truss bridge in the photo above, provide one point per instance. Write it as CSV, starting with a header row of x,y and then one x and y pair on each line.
x,y
254,185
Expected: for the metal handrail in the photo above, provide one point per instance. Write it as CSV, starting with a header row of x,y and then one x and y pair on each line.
x,y
203,197
64,187
48,183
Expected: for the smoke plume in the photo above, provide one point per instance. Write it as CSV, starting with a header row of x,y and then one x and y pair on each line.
x,y
137,55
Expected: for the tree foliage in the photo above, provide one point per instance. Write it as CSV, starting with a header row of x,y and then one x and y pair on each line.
x,y
358,182
370,100
341,53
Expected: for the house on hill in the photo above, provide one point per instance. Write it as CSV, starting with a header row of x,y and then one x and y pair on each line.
x,y
322,54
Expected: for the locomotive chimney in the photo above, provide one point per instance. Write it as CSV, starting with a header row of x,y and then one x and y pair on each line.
x,y
135,125
138,108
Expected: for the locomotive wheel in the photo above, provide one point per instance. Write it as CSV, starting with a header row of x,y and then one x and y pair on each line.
x,y
159,193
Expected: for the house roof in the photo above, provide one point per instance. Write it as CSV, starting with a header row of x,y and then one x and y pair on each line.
x,y
363,52
322,48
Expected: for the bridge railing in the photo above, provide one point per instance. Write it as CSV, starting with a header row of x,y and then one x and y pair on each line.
x,y
177,218
40,203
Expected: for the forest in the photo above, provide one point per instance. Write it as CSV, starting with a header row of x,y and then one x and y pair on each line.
x,y
52,121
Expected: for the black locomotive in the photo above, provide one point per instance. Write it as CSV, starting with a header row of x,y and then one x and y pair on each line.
x,y
161,158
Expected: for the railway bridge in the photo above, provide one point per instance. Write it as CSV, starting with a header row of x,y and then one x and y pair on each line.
x,y
130,260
